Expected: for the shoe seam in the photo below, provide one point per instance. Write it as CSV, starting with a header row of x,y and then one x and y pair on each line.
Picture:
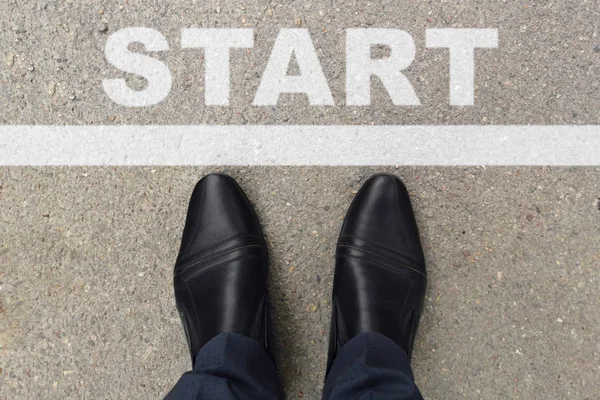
x,y
189,329
394,260
257,316
383,265
195,316
215,244
183,266
341,320
371,242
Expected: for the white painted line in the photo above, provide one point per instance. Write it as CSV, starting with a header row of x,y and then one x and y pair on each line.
x,y
299,145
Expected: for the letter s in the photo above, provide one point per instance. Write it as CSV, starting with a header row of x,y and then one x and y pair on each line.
x,y
155,71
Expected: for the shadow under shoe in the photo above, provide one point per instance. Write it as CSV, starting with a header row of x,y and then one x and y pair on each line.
x,y
221,272
380,277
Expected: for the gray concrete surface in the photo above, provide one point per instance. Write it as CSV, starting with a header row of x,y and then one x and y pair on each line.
x,y
86,304
545,70
511,312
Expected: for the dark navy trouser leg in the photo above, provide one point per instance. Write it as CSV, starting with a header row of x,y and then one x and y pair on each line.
x,y
371,366
233,367
229,367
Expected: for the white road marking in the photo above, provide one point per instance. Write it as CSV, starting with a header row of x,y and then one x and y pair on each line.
x,y
128,145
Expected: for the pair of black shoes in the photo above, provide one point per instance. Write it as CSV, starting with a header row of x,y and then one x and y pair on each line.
x,y
221,272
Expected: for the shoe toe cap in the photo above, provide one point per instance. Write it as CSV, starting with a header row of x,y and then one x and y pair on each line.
x,y
218,211
382,215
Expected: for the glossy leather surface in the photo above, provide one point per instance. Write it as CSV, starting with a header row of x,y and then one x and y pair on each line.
x,y
380,277
220,276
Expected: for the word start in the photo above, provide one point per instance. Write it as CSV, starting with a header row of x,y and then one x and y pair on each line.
x,y
296,44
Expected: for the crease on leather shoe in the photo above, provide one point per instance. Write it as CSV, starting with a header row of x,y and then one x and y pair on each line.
x,y
380,275
220,276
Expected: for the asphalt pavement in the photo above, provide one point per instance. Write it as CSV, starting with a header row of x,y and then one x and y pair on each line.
x,y
513,254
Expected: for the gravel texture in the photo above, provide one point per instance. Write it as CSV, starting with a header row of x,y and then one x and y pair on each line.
x,y
86,254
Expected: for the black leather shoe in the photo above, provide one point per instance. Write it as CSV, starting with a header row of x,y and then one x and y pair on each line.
x,y
220,276
380,279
